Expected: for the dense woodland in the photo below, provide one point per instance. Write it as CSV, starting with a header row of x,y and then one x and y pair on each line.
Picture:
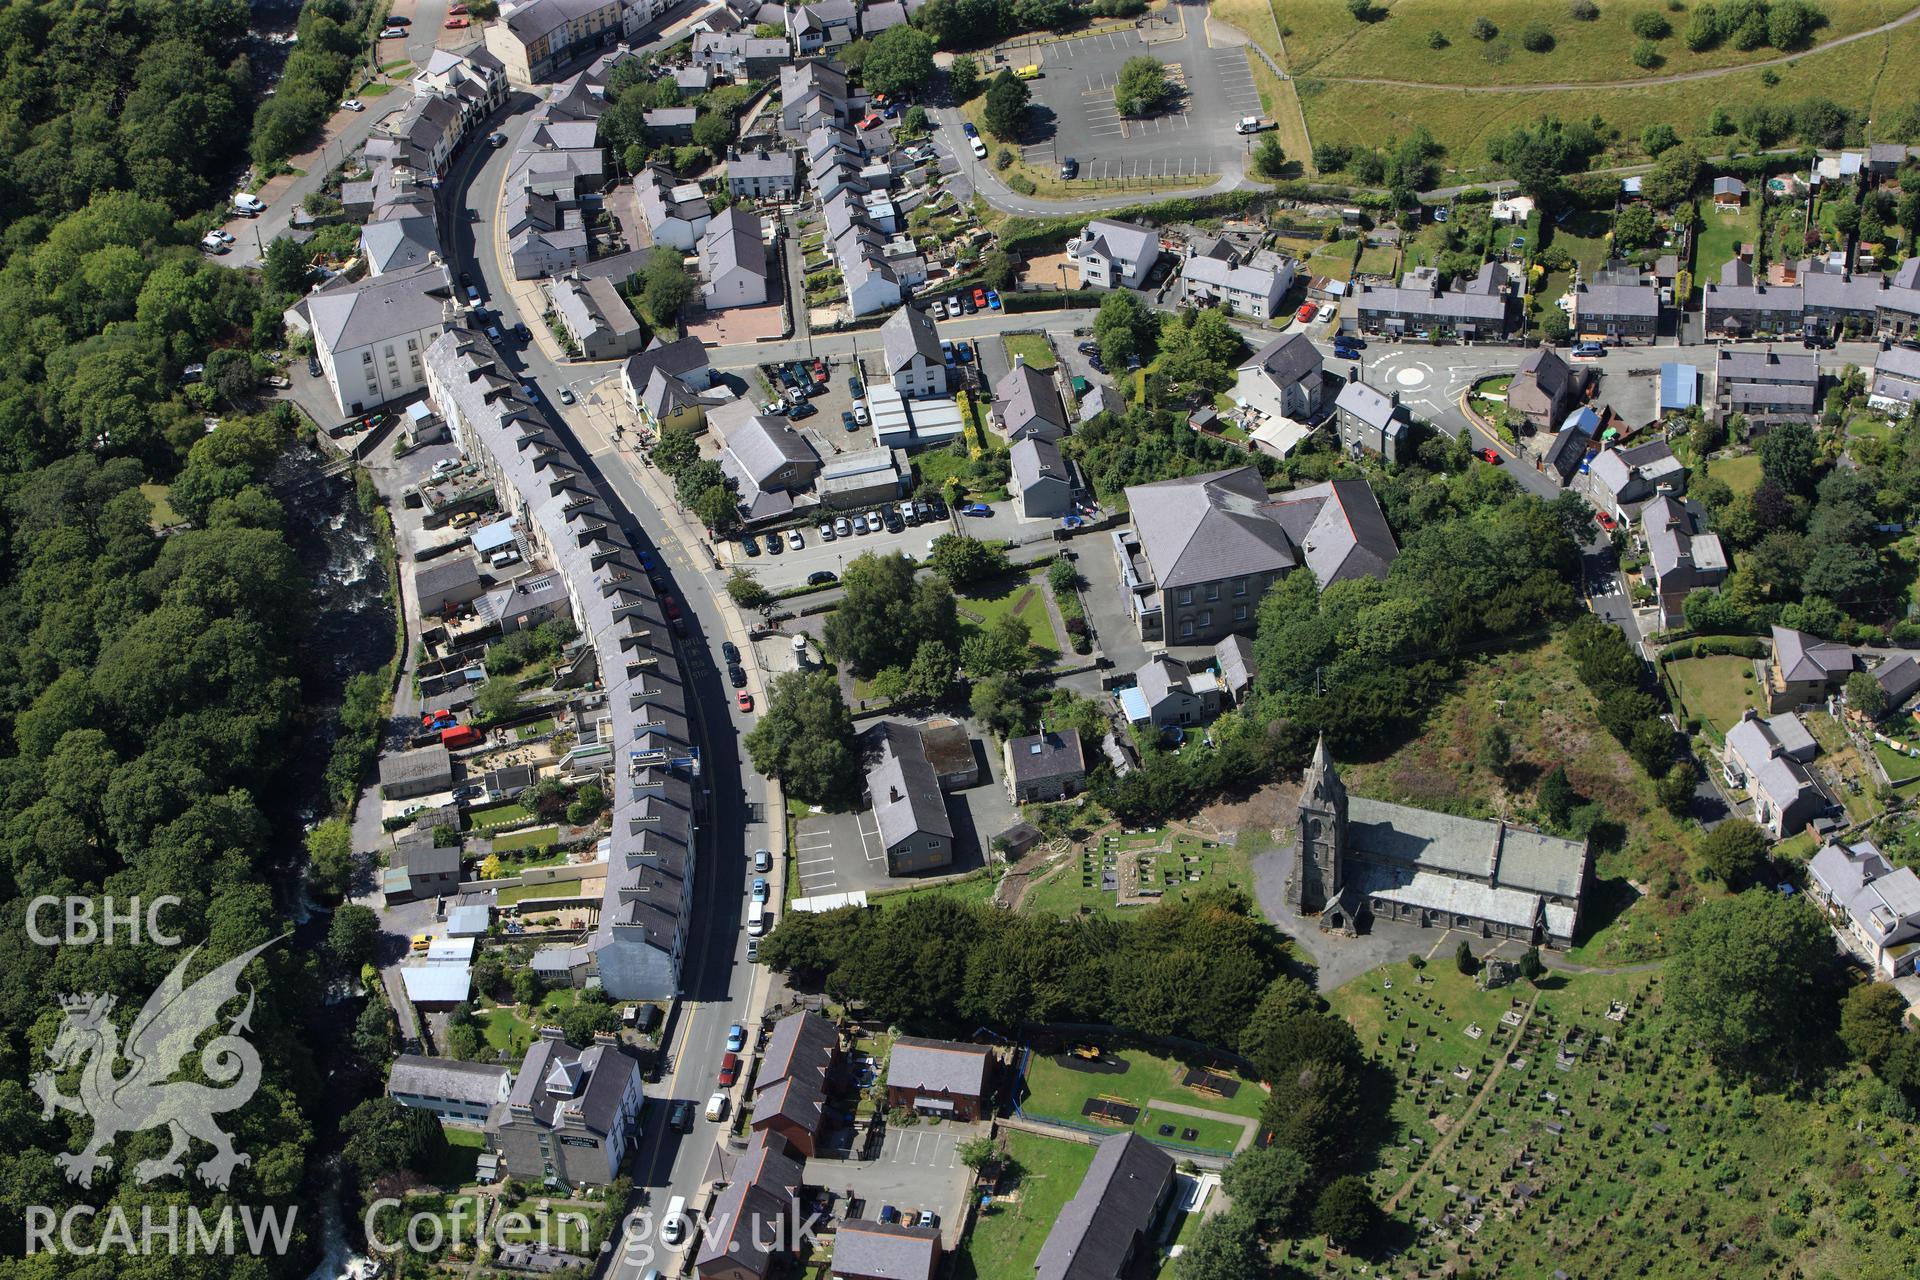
x,y
147,689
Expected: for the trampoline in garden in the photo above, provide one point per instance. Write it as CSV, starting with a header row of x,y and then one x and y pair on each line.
x,y
1110,1110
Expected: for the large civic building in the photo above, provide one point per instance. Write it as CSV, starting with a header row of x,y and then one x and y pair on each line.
x,y
1358,858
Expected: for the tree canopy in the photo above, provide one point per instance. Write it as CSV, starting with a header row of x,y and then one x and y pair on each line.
x,y
804,737
886,612
1750,979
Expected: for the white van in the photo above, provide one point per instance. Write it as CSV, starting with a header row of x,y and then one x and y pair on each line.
x,y
673,1227
756,919
501,559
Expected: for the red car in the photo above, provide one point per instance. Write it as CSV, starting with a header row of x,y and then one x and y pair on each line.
x,y
980,299
869,122
1306,313
1606,521
729,1070
671,607
454,24
458,8
1490,456
744,699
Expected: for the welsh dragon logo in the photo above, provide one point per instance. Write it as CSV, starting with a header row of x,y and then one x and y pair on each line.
x,y
146,1097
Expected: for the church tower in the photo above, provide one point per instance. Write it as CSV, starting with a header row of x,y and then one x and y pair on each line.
x,y
1323,836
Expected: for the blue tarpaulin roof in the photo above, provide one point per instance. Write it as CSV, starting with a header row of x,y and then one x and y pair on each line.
x,y
1679,387
489,538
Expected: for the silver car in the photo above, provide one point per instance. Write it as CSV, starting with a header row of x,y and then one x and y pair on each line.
x,y
826,532
859,524
794,539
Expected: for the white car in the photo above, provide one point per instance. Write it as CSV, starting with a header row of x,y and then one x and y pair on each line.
x,y
979,149
247,202
937,309
717,1107
213,243
874,522
354,104
794,540
860,413
226,237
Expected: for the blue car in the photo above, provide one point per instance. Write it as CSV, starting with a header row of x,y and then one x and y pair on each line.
x,y
976,509
887,1212
993,300
736,1038
970,130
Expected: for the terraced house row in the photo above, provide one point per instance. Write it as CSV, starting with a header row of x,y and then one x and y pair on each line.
x,y
637,946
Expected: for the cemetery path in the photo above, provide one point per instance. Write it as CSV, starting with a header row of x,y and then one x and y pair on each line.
x,y
1566,966
1444,1143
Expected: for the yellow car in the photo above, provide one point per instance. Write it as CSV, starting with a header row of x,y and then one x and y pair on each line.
x,y
1029,72
421,941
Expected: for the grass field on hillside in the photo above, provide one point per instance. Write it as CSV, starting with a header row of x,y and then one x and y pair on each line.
x,y
1863,76
1323,38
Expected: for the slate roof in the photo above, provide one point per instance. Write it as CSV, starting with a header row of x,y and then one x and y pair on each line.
x,y
1341,528
939,1066
1639,300
762,164
452,573
1117,1201
1234,654
1047,755
1898,679
1287,359
885,1250
381,307
732,240
909,332
471,1082
399,243
1510,857
1683,554
1803,658
1766,366
1373,407
904,789
1028,400
765,445
743,1222
1034,460
1127,241
1884,903
677,359
1223,524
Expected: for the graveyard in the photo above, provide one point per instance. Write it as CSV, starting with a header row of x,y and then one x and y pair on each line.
x,y
1565,1128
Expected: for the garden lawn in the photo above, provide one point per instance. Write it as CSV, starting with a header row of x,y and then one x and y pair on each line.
x,y
1583,236
1718,689
504,1030
1053,1090
531,838
1334,261
497,815
1719,239
1741,474
1007,1237
1023,596
1034,346
1900,768
1377,260
163,512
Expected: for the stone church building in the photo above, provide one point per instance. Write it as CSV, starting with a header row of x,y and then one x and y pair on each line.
x,y
1359,858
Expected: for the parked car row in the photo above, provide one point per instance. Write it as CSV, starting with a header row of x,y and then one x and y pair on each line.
x,y
964,302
